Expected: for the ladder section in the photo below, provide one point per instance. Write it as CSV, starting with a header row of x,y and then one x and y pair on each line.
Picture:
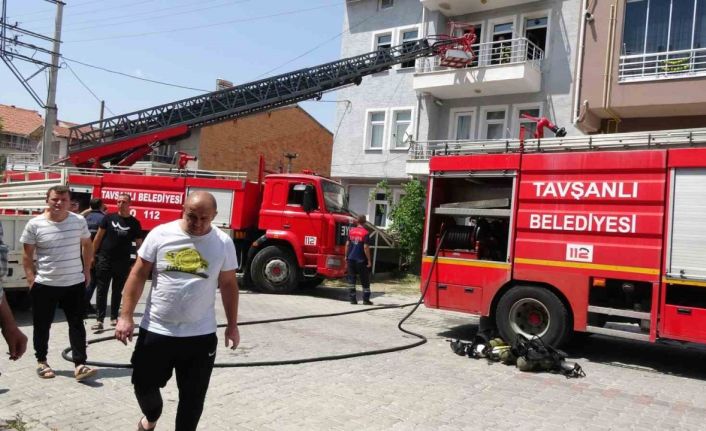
x,y
250,98
606,142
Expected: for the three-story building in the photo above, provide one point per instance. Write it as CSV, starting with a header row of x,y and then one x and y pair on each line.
x,y
525,54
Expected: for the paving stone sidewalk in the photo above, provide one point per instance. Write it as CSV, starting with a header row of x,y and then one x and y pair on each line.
x,y
628,385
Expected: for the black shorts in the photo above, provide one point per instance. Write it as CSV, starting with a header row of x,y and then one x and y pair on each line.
x,y
156,356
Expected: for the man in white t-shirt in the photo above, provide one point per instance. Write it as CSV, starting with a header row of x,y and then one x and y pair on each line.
x,y
188,260
64,251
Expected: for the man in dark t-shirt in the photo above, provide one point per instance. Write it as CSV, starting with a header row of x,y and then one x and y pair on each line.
x,y
94,216
358,260
113,245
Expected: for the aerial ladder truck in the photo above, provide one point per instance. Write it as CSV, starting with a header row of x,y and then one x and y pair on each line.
x,y
289,229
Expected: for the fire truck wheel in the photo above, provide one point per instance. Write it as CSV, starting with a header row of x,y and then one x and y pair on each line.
x,y
274,270
532,311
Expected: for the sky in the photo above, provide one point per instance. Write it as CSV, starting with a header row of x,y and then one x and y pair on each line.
x,y
175,41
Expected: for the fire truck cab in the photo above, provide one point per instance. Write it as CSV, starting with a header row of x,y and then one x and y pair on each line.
x,y
289,229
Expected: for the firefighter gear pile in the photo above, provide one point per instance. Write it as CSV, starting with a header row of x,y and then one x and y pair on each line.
x,y
527,355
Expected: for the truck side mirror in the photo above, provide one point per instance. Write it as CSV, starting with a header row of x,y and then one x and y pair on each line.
x,y
309,198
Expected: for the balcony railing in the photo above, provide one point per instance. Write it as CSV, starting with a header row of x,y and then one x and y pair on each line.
x,y
663,65
615,141
499,53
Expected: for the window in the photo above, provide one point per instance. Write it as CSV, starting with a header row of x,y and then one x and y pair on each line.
x,y
402,128
530,125
536,33
295,196
383,41
502,46
669,33
386,4
653,26
462,124
381,209
409,36
376,130
493,123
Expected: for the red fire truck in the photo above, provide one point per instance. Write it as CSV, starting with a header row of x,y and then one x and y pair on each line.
x,y
288,229
598,234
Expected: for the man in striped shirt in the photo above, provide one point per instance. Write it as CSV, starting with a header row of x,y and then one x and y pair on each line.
x,y
64,253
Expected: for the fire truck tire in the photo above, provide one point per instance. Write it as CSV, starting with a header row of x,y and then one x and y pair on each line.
x,y
531,311
274,270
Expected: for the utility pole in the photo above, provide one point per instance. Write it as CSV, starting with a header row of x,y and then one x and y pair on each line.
x,y
290,156
51,110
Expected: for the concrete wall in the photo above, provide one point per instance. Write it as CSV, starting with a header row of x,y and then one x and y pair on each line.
x,y
678,100
392,88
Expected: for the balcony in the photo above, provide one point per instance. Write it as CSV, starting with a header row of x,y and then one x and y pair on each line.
x,y
462,7
502,67
686,63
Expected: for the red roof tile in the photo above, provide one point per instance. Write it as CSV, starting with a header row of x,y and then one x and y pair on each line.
x,y
18,121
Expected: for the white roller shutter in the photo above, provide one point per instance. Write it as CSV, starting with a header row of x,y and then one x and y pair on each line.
x,y
224,200
688,233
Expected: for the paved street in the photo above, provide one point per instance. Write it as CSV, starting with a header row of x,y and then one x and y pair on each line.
x,y
628,385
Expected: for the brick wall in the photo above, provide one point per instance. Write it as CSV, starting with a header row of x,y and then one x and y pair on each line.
x,y
236,145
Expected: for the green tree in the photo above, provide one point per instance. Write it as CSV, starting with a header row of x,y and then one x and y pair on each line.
x,y
406,219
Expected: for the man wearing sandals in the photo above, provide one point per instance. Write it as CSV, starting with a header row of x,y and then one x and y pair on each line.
x,y
64,253
188,260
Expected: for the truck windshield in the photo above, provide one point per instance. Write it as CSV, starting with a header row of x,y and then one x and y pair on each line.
x,y
335,197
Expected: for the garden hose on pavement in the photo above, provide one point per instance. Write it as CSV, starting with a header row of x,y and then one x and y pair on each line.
x,y
66,353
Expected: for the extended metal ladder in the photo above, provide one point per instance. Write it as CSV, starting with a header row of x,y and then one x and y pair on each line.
x,y
141,128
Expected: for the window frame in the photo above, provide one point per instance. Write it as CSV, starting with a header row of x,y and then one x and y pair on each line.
x,y
367,136
290,189
383,32
483,121
381,7
539,14
669,29
516,108
491,23
393,126
400,33
396,192
453,122
490,32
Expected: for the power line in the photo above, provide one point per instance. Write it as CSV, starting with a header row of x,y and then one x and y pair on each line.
x,y
87,88
315,48
38,12
148,18
174,30
93,11
154,81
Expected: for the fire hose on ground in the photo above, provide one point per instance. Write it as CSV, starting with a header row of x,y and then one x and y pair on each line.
x,y
66,353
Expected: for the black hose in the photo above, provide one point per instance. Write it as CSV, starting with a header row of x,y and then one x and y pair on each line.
x,y
422,338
